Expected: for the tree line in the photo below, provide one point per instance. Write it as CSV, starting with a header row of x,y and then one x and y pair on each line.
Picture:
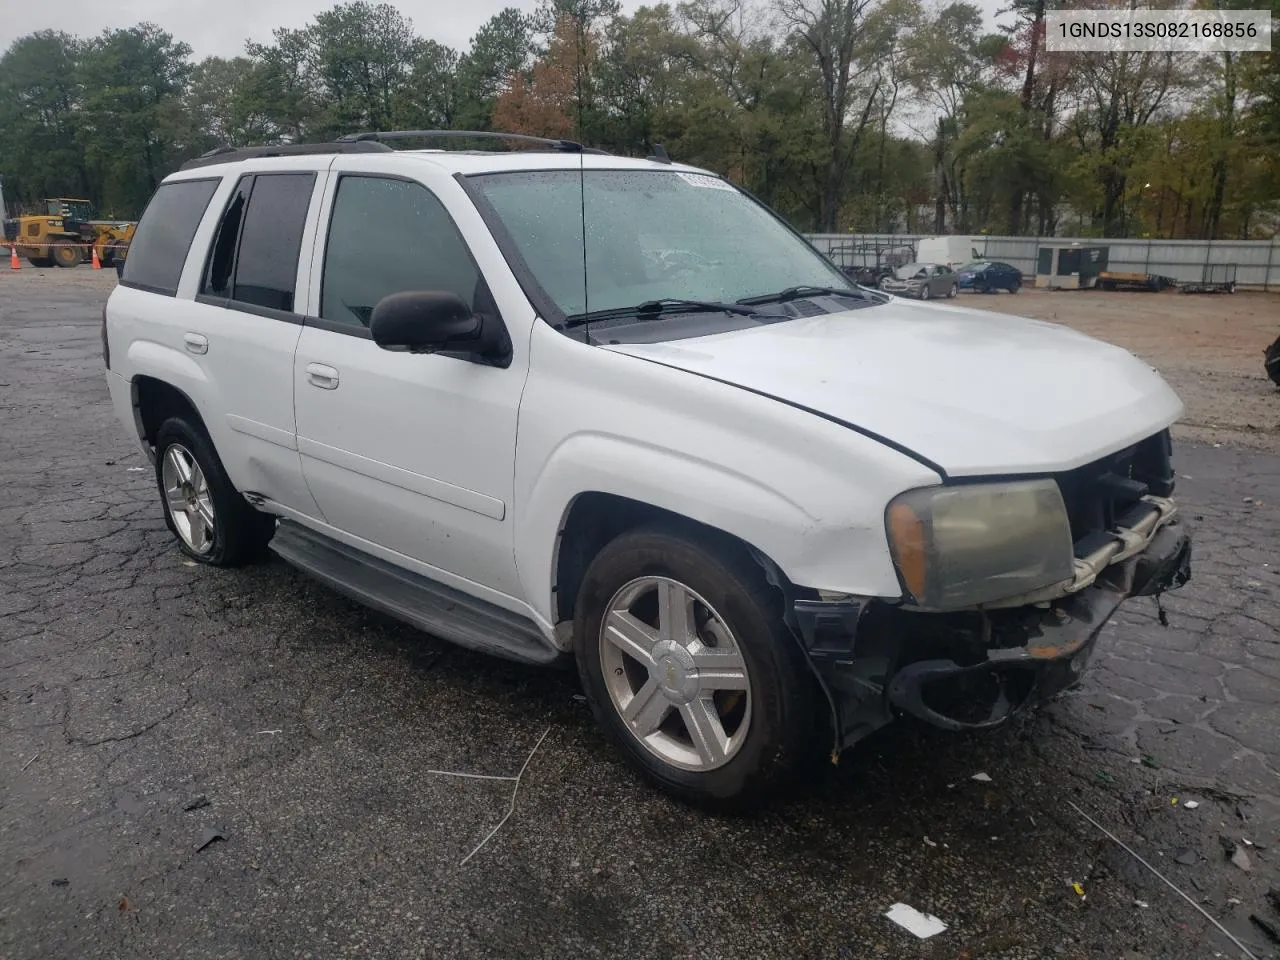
x,y
845,115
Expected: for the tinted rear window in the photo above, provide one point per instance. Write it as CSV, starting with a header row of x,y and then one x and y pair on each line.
x,y
267,263
159,248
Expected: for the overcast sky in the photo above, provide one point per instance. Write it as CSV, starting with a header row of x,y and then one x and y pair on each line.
x,y
221,27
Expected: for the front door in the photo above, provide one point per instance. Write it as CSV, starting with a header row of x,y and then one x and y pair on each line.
x,y
414,453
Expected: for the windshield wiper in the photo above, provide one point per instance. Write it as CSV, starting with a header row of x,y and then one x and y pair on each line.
x,y
667,306
795,293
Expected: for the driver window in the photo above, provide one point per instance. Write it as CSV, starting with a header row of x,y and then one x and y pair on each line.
x,y
389,236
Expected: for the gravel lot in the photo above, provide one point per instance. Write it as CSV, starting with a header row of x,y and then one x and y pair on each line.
x,y
144,701
1208,346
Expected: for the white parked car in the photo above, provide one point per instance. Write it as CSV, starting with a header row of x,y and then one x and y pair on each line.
x,y
555,403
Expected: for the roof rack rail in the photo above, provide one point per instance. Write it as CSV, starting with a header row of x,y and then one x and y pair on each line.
x,y
233,154
378,136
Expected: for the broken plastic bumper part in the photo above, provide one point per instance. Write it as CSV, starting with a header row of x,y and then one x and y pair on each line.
x,y
974,669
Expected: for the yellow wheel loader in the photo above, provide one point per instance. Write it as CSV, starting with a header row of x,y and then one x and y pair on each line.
x,y
66,235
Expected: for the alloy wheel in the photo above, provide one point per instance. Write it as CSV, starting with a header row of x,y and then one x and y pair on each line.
x,y
187,495
675,674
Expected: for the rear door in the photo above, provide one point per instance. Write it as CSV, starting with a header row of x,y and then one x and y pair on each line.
x,y
243,328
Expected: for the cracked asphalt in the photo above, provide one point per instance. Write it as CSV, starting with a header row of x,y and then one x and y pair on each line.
x,y
145,701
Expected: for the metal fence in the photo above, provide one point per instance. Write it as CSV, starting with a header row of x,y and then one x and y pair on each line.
x,y
1257,261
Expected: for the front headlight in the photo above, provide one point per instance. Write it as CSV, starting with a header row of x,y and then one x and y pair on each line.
x,y
959,546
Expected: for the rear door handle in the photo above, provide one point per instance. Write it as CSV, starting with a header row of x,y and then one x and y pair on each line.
x,y
322,375
196,343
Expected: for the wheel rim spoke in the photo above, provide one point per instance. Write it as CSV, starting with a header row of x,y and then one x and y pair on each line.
x,y
204,508
181,465
675,613
719,668
631,636
705,730
647,709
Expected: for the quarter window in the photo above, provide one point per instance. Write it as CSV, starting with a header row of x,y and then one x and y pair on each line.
x,y
163,238
389,236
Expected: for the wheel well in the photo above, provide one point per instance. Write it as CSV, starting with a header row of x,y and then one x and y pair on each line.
x,y
594,519
155,401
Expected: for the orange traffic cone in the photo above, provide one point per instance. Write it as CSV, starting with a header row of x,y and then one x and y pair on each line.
x,y
13,259
97,264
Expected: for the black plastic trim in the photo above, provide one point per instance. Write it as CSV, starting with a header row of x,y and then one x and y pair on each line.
x,y
529,285
234,155
337,326
426,604
270,313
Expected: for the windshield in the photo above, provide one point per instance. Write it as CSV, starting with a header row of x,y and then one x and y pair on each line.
x,y
975,267
650,235
908,270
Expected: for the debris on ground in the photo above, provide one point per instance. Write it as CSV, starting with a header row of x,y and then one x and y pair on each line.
x,y
929,842
196,804
1150,761
1191,804
1273,934
1079,890
1141,904
211,835
1241,860
981,778
31,761
60,882
1187,857
1274,896
124,904
923,925
1160,876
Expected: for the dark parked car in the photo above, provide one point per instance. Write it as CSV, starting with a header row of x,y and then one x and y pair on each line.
x,y
986,276
923,280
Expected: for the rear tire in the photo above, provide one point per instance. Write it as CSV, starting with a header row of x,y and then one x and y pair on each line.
x,y
739,665
41,262
952,292
212,522
924,292
1015,288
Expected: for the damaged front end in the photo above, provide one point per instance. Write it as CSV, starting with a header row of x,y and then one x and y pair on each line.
x,y
974,669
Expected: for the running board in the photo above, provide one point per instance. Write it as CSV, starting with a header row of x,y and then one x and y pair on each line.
x,y
430,606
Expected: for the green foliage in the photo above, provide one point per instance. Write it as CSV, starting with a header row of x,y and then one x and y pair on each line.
x,y
867,115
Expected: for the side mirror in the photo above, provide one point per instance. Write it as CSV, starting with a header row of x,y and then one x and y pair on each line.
x,y
436,321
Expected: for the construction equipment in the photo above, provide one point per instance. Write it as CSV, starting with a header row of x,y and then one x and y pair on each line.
x,y
66,234
1215,278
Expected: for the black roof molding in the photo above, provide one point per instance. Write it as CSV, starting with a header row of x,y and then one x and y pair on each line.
x,y
380,136
234,154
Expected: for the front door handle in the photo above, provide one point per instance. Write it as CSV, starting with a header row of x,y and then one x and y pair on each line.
x,y
196,343
322,375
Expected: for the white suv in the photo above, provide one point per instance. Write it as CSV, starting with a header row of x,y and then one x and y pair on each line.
x,y
551,402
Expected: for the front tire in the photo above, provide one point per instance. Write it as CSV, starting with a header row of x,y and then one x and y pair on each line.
x,y
65,254
690,670
951,294
924,292
213,523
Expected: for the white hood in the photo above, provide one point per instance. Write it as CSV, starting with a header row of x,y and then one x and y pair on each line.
x,y
973,392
